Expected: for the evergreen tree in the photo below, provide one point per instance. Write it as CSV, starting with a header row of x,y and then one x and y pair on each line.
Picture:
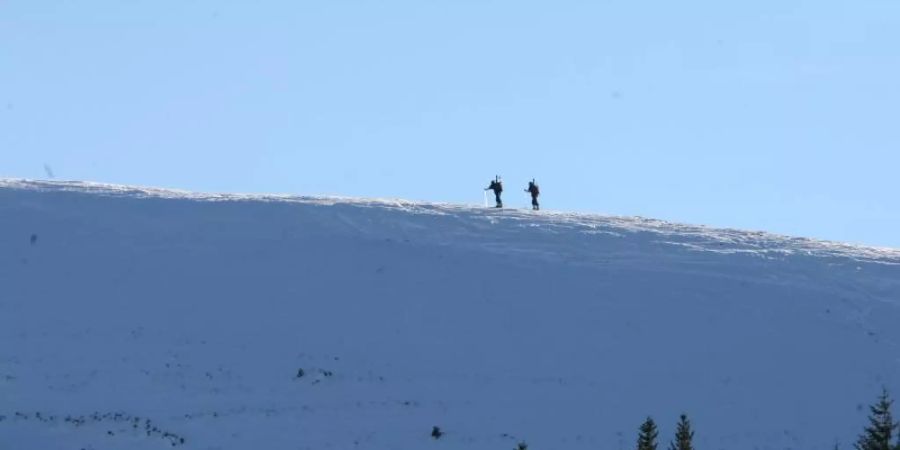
x,y
647,437
881,426
684,436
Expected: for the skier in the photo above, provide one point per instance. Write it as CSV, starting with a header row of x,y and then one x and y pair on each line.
x,y
497,187
534,191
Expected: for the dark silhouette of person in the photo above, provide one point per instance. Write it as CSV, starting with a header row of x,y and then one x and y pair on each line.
x,y
497,187
534,191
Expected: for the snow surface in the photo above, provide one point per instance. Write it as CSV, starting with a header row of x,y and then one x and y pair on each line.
x,y
135,318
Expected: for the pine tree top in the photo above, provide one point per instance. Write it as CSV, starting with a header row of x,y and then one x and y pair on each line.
x,y
648,435
684,436
879,434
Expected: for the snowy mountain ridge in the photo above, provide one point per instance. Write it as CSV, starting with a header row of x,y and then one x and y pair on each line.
x,y
145,318
696,237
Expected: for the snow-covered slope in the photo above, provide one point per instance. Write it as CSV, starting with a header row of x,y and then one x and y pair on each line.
x,y
135,318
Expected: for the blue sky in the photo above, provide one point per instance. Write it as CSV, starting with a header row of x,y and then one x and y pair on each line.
x,y
773,115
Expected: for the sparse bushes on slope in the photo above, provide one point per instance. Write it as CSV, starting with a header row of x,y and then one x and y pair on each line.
x,y
881,434
122,423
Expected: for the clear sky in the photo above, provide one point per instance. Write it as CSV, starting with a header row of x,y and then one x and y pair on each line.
x,y
777,115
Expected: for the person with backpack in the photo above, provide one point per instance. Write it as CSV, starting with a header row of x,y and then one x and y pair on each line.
x,y
534,191
497,187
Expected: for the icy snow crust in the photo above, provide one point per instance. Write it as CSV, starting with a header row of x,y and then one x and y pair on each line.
x,y
135,317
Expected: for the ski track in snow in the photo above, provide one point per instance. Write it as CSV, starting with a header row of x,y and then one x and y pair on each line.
x,y
137,317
